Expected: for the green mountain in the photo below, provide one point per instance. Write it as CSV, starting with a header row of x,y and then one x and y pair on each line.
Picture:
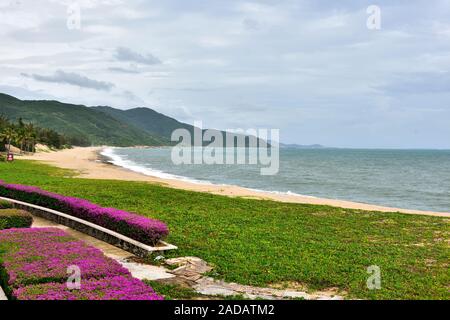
x,y
97,125
90,124
148,120
155,123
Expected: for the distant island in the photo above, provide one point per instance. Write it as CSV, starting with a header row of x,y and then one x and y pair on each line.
x,y
301,146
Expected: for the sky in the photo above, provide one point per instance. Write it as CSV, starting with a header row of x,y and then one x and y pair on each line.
x,y
313,69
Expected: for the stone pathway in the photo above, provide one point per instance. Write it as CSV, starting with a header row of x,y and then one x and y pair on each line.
x,y
191,270
210,286
188,272
145,271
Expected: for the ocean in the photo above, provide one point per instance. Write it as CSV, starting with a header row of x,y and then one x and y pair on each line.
x,y
410,179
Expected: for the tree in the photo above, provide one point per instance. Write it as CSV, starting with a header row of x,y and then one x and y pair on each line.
x,y
26,135
30,136
20,138
8,134
4,122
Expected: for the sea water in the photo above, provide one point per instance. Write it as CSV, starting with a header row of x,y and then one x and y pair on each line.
x,y
411,179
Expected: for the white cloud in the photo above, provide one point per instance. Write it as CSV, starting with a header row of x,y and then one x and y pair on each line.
x,y
71,78
126,54
311,68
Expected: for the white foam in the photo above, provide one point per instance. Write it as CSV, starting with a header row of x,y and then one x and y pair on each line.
x,y
121,161
288,193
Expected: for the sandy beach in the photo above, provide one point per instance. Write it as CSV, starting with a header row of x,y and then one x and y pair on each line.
x,y
86,162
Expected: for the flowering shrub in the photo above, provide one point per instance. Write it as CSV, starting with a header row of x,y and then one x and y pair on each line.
x,y
34,262
145,230
114,288
43,255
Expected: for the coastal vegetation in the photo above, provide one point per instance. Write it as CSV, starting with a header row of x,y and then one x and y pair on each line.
x,y
25,136
267,243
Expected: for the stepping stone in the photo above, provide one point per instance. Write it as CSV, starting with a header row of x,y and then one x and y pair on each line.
x,y
189,267
146,271
212,290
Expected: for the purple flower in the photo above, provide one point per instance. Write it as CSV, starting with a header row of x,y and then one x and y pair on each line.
x,y
45,253
146,230
36,261
113,288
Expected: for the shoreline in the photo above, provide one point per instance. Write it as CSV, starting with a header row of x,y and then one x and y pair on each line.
x,y
86,161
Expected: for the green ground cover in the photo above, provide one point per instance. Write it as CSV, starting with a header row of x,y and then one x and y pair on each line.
x,y
13,218
264,242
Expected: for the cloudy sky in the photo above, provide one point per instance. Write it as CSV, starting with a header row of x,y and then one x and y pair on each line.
x,y
312,68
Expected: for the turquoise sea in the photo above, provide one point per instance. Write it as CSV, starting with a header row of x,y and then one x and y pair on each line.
x,y
412,179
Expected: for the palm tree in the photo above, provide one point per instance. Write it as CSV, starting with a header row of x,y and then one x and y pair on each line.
x,y
21,137
8,135
30,136
4,122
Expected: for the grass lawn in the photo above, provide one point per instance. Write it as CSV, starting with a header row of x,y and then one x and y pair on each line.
x,y
264,242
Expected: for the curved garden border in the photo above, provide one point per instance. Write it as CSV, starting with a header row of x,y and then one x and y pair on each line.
x,y
132,225
96,231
